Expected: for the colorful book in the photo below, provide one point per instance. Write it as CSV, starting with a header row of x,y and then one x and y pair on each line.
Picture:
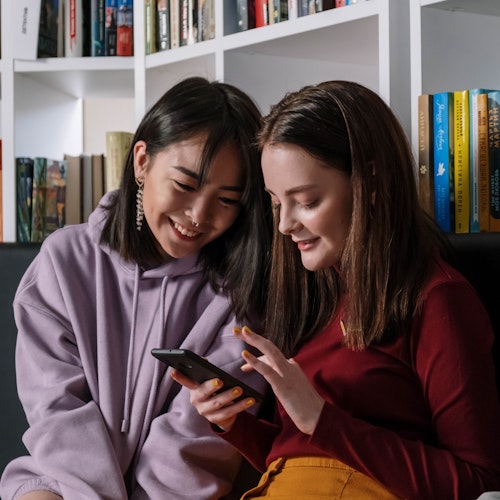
x,y
443,160
55,196
261,13
97,28
474,224
163,24
38,198
461,160
125,29
494,158
24,187
426,153
117,147
482,161
110,27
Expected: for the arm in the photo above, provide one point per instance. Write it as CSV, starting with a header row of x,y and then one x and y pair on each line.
x,y
452,355
181,443
71,453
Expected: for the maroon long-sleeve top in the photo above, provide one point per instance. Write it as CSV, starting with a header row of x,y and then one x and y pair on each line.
x,y
421,414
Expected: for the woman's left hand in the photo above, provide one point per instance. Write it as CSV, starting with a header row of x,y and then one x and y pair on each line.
x,y
290,385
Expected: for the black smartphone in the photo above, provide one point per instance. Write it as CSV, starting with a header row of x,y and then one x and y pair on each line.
x,y
199,369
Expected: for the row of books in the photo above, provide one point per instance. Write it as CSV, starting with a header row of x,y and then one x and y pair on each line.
x,y
459,159
257,13
72,28
175,23
53,193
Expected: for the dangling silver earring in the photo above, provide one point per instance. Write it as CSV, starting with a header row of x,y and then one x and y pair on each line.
x,y
139,208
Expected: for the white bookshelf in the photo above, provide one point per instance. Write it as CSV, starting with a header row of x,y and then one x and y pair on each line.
x,y
43,102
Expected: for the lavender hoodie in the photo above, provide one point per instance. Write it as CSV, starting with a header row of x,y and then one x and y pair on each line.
x,y
106,419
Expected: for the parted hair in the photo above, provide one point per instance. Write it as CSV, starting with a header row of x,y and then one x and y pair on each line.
x,y
237,261
391,240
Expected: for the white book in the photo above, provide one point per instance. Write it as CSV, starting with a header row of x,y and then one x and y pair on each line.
x,y
26,22
73,28
292,9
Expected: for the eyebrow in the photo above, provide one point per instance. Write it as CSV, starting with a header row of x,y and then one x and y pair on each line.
x,y
296,189
196,177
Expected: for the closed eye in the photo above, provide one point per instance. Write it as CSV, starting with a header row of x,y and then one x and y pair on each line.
x,y
185,187
229,201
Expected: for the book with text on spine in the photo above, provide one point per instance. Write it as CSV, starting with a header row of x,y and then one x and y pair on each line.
x,y
494,158
24,188
425,153
443,160
461,160
25,28
482,161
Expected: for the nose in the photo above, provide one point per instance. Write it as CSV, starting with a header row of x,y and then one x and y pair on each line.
x,y
200,210
287,224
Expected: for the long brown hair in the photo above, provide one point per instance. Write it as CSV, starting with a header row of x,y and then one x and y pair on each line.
x,y
391,239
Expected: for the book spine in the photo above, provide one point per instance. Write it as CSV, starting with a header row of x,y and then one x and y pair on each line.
x,y
26,25
461,161
293,12
38,198
73,22
175,20
55,196
150,19
206,20
163,24
442,195
474,223
494,158
110,27
425,153
97,26
261,13
117,146
24,187
48,29
125,28
482,162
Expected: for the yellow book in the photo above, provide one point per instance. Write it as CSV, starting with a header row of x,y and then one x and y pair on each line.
x,y
461,160
117,145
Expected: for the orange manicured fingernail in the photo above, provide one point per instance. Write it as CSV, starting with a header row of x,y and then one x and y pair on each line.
x,y
236,329
216,383
245,353
250,402
247,330
236,391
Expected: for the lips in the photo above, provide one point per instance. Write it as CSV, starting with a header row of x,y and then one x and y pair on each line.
x,y
184,231
306,244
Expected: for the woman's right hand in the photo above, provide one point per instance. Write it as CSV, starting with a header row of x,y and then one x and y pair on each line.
x,y
219,409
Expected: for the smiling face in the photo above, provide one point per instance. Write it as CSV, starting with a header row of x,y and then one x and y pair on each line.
x,y
314,200
182,215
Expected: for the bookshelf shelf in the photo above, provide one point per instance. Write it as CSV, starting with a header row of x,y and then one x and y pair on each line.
x,y
453,46
42,101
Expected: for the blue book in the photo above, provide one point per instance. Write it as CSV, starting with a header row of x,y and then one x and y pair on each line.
x,y
443,160
97,28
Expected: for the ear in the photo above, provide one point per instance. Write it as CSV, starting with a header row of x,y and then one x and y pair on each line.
x,y
140,159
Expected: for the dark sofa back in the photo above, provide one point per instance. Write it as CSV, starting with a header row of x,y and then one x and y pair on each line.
x,y
14,259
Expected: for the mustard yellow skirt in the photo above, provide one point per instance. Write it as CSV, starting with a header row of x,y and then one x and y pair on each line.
x,y
315,478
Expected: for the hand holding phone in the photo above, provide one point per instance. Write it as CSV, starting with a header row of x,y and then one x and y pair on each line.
x,y
200,370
